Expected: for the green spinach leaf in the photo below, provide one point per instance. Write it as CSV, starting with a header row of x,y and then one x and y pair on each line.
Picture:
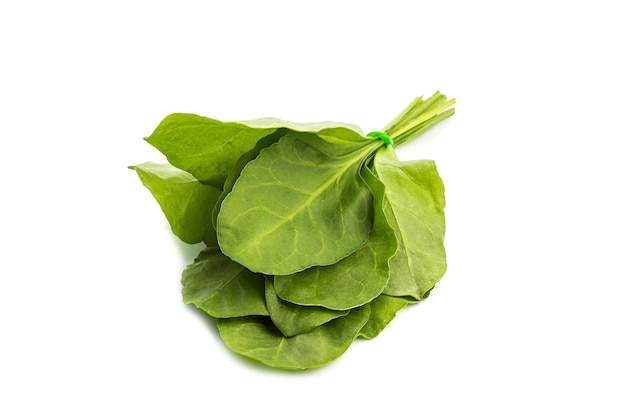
x,y
223,288
259,339
292,319
415,207
185,201
204,147
325,134
383,310
294,207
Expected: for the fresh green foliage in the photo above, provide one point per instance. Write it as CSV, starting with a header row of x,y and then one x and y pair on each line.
x,y
258,338
291,187
292,319
354,280
204,147
183,199
223,288
315,234
383,310
415,201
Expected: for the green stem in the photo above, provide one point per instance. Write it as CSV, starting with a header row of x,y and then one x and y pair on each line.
x,y
418,117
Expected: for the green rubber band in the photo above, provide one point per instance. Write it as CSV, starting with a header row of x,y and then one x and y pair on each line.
x,y
382,136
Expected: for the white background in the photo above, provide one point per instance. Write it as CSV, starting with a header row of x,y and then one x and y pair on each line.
x,y
530,317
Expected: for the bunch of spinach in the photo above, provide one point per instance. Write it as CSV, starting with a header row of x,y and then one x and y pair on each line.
x,y
315,234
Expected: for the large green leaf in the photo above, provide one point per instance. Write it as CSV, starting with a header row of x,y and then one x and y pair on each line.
x,y
354,280
415,208
294,207
383,310
259,339
209,148
223,288
204,147
186,203
293,319
326,138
